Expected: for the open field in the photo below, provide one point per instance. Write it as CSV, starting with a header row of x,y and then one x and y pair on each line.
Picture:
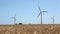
x,y
30,29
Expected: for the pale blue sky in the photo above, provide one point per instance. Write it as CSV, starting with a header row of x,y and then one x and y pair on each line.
x,y
27,10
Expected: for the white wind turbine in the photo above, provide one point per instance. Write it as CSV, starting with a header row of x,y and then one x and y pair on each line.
x,y
53,19
14,18
41,13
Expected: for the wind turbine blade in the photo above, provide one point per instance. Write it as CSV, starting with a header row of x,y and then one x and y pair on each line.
x,y
15,15
12,17
39,8
45,11
53,16
39,14
15,19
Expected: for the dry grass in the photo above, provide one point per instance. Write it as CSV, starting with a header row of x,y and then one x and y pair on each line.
x,y
30,29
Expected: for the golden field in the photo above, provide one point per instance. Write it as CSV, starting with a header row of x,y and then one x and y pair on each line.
x,y
30,29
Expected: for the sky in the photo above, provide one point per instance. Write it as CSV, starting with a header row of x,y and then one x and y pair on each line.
x,y
27,10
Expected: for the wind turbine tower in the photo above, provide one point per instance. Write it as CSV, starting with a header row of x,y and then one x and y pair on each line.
x,y
14,18
41,13
53,19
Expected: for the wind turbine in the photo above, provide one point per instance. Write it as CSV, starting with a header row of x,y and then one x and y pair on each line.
x,y
53,19
14,18
41,13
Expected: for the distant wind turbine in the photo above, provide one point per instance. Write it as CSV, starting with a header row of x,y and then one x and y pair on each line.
x,y
41,13
53,19
14,18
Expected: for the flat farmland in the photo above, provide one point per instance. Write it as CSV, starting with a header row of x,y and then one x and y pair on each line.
x,y
30,29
